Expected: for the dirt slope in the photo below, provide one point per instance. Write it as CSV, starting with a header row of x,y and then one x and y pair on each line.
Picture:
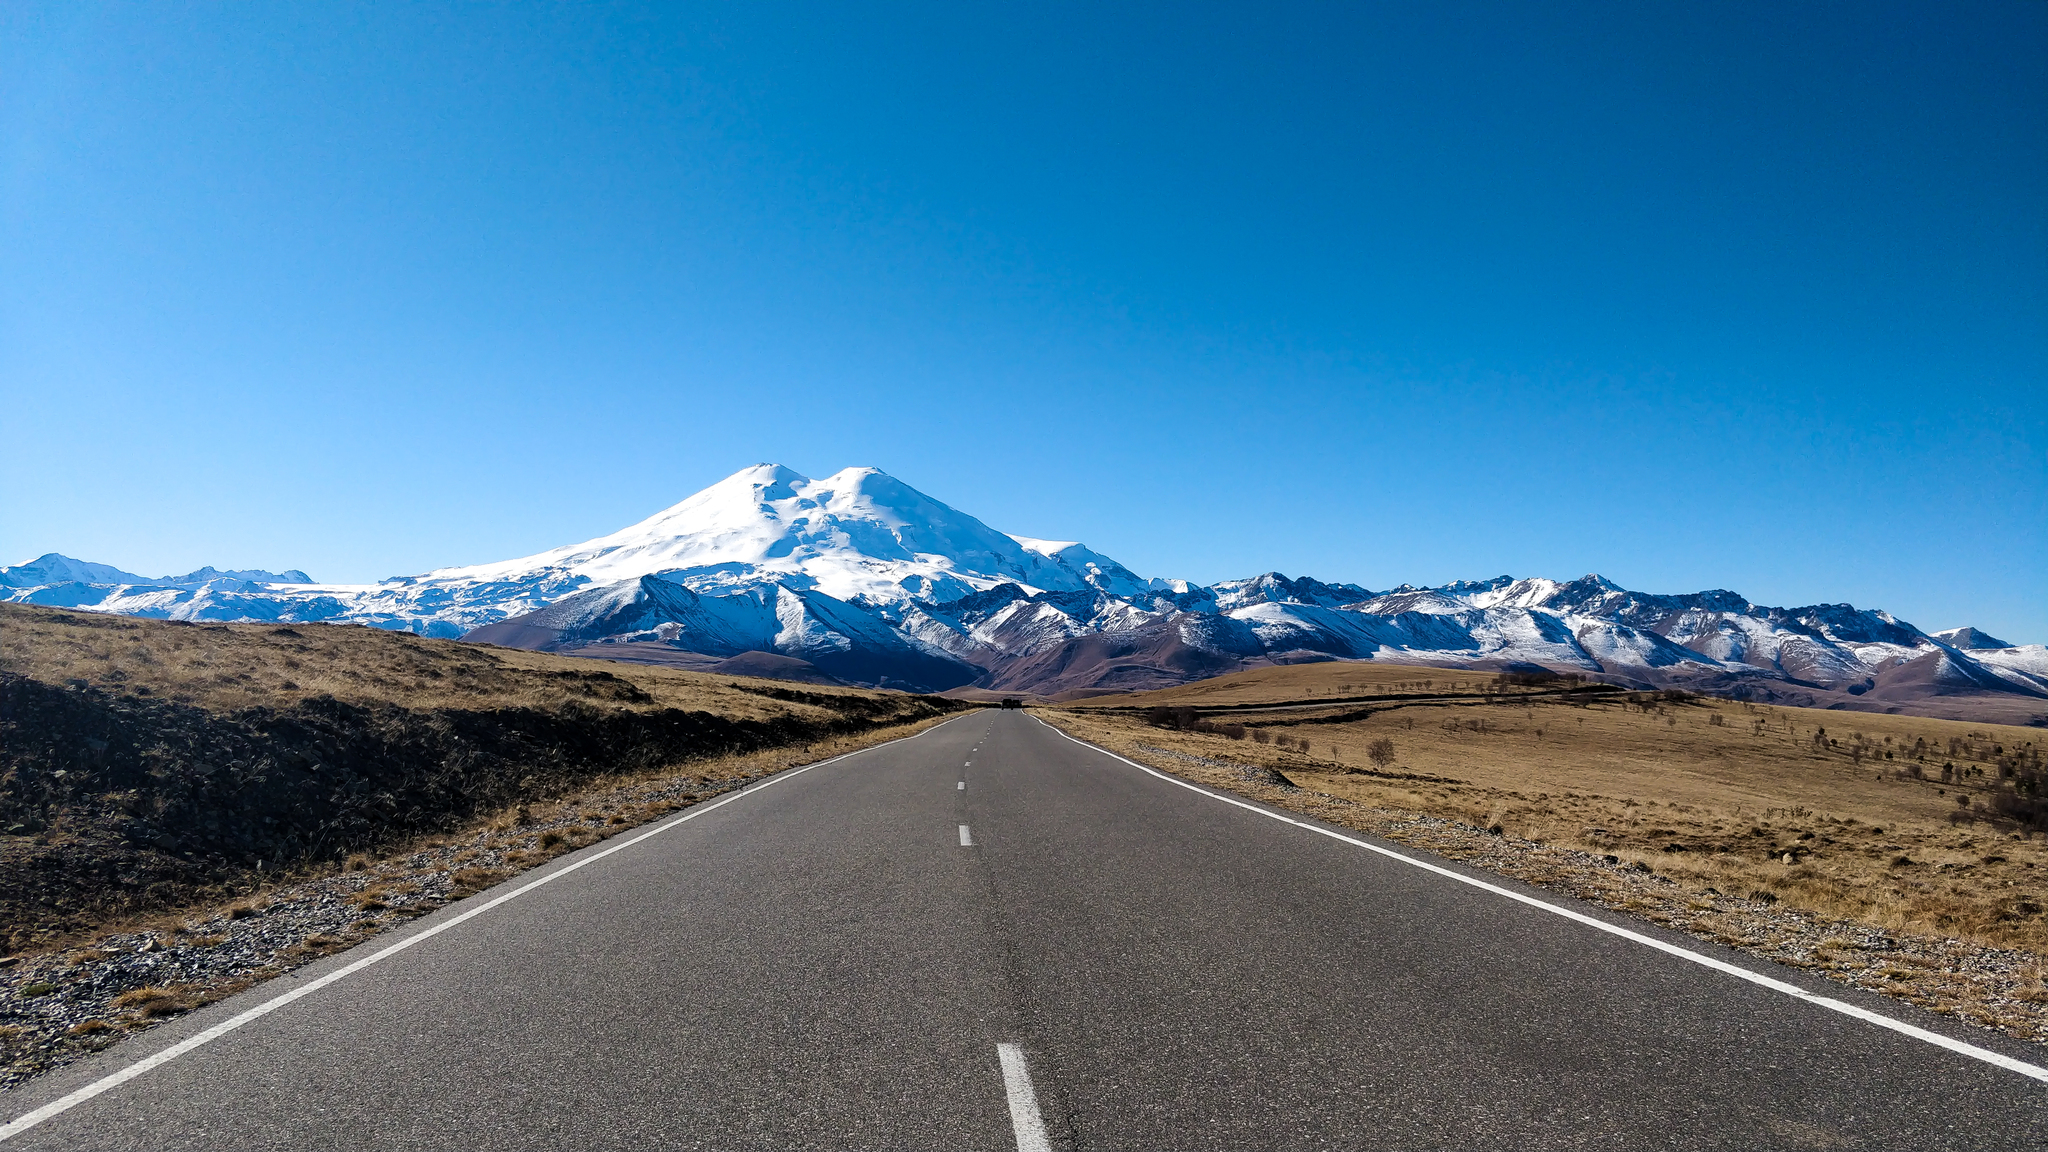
x,y
145,763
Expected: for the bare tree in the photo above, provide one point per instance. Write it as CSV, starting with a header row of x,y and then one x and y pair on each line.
x,y
1380,752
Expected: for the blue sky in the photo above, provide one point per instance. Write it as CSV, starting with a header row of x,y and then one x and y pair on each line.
x,y
1744,296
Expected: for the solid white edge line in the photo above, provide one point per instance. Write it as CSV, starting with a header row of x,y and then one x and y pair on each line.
x,y
1971,1050
966,841
115,1079
1024,1118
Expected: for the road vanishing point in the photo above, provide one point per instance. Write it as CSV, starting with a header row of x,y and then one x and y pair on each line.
x,y
992,936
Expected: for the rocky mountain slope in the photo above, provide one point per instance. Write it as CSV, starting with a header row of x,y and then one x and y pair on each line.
x,y
860,578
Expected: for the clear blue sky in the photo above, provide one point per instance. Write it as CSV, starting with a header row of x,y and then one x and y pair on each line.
x,y
1713,295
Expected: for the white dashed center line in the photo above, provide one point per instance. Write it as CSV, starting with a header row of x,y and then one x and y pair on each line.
x,y
966,841
961,787
1024,1118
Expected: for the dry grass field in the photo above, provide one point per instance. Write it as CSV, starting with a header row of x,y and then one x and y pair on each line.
x,y
1298,682
1898,821
223,667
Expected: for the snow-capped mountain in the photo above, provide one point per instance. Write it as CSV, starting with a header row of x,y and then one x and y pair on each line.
x,y
50,568
863,578
858,534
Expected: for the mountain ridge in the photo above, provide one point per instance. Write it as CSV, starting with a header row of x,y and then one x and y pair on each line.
x,y
860,577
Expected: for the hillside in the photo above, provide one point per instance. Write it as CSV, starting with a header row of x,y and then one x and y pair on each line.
x,y
145,763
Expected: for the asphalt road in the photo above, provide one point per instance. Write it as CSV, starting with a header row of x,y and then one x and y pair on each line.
x,y
830,961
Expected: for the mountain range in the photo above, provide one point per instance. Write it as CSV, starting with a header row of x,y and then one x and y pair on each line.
x,y
860,578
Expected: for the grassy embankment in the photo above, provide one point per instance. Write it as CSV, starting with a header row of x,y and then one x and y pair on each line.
x,y
1927,828
149,766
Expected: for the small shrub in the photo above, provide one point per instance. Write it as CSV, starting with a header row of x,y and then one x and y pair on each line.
x,y
38,989
1184,719
89,1028
151,1001
550,838
476,877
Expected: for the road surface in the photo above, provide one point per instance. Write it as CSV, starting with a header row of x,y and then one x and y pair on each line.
x,y
992,936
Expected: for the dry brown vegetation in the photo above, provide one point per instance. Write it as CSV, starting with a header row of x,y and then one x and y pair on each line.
x,y
1890,819
226,667
147,764
1318,681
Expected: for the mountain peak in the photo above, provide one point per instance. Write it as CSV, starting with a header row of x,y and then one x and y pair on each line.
x,y
762,481
858,534
57,568
1970,639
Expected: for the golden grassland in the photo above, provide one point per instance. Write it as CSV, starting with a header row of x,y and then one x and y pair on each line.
x,y
1845,814
224,667
1293,682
